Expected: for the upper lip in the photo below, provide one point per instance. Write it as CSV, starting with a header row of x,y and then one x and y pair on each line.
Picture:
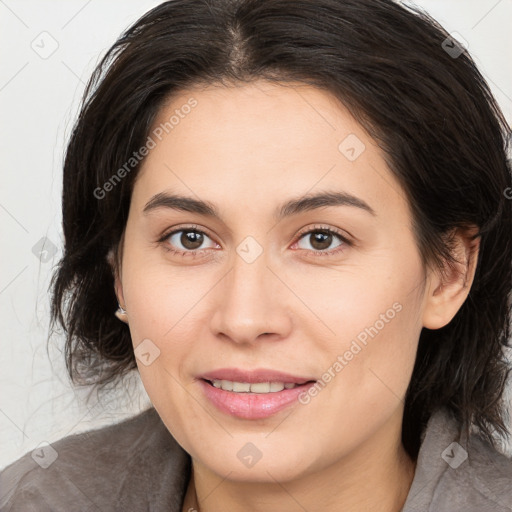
x,y
253,376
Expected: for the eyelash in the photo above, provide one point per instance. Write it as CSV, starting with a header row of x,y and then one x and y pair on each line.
x,y
194,253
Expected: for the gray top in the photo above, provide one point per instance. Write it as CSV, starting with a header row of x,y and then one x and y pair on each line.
x,y
136,465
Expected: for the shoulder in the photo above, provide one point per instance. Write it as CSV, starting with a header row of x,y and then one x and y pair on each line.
x,y
454,473
130,461
489,473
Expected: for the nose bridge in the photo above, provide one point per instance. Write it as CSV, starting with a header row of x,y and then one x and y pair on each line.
x,y
250,302
249,279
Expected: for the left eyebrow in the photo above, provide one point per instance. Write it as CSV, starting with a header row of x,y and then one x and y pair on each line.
x,y
292,207
321,200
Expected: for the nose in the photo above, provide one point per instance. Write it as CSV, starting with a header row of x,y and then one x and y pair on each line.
x,y
251,302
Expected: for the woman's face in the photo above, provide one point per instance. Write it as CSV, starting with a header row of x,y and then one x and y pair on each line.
x,y
251,290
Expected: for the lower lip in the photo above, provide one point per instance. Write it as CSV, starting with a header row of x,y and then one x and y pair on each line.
x,y
252,406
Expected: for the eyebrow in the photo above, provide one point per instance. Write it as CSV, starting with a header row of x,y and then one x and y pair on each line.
x,y
292,207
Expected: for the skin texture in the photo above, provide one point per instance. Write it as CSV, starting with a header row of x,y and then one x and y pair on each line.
x,y
247,149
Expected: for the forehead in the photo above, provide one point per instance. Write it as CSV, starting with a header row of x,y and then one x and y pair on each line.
x,y
254,112
255,143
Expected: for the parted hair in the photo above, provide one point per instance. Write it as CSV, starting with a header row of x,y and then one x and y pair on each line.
x,y
414,89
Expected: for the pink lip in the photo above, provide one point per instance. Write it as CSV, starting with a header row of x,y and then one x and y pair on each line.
x,y
252,406
253,376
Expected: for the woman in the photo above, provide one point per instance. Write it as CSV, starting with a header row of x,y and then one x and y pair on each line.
x,y
292,219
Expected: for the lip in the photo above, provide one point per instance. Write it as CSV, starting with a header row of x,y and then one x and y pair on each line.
x,y
254,376
253,406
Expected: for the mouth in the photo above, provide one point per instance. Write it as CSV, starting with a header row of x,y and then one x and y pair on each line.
x,y
254,381
255,394
254,387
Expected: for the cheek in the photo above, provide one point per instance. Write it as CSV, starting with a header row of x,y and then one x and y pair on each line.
x,y
161,324
377,321
166,320
164,298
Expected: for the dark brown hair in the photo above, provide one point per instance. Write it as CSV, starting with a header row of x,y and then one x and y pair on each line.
x,y
421,99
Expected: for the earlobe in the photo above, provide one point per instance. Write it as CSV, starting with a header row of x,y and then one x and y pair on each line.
x,y
121,312
448,289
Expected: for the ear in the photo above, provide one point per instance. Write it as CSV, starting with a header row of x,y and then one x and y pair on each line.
x,y
448,288
118,286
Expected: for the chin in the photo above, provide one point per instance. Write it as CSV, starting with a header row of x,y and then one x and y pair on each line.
x,y
265,470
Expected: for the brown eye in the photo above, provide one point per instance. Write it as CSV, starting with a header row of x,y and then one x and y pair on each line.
x,y
322,241
187,240
191,239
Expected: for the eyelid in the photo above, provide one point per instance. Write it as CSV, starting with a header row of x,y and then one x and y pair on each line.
x,y
347,240
162,241
176,229
345,236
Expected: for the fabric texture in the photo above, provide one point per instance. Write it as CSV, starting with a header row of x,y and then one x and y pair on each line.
x,y
137,465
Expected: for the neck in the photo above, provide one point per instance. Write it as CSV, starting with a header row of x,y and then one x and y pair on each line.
x,y
373,479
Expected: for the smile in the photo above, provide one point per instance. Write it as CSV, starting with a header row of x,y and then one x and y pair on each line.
x,y
254,387
252,400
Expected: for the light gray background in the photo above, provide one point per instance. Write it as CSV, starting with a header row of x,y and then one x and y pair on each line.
x,y
49,49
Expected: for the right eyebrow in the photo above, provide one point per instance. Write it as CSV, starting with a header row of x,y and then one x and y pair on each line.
x,y
289,208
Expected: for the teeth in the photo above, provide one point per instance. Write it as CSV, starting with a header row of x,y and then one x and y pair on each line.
x,y
239,387
255,387
227,385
